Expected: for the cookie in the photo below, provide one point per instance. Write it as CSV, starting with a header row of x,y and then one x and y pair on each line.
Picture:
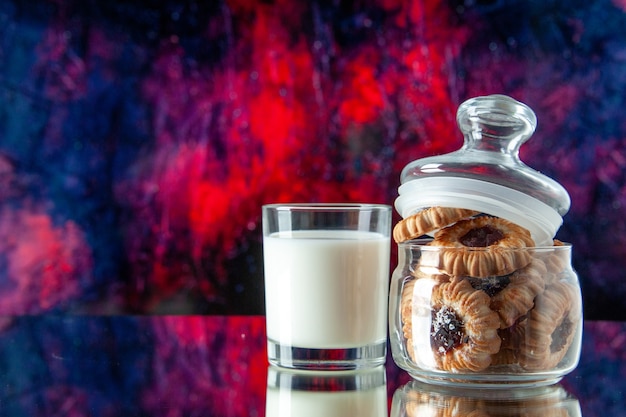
x,y
557,262
480,247
464,330
427,221
406,308
511,338
415,303
551,327
505,356
518,295
406,317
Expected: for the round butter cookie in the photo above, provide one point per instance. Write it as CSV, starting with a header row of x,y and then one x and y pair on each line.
x,y
481,247
427,221
464,330
551,327
518,296
557,263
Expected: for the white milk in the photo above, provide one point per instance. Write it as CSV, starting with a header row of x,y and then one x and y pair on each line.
x,y
326,289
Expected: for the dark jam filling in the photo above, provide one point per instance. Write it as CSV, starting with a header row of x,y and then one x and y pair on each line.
x,y
490,285
560,335
447,331
481,237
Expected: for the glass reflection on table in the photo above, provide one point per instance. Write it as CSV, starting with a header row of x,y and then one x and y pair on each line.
x,y
292,393
420,399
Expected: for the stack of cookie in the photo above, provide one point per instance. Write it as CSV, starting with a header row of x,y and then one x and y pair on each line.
x,y
481,296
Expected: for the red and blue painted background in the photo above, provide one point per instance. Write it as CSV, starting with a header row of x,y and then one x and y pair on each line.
x,y
138,140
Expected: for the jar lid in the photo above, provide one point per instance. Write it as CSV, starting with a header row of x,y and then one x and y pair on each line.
x,y
486,173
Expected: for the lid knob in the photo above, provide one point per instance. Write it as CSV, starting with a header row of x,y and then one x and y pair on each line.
x,y
496,123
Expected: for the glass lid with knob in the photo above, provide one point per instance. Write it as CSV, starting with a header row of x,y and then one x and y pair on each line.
x,y
486,173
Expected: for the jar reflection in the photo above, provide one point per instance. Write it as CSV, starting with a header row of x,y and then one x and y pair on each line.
x,y
341,393
420,399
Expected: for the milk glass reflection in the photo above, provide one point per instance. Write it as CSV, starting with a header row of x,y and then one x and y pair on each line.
x,y
296,393
326,284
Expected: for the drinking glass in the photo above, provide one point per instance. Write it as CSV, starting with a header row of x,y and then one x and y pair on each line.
x,y
326,284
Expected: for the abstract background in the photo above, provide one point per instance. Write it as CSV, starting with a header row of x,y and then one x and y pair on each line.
x,y
138,139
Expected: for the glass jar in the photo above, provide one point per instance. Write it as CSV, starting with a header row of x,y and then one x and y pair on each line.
x,y
522,328
483,293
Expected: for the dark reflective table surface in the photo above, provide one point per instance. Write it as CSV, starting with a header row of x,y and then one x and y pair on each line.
x,y
217,366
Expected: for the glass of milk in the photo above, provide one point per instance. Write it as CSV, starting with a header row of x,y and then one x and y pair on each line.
x,y
326,284
298,393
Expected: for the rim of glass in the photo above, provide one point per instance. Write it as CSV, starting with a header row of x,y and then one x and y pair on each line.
x,y
327,206
422,243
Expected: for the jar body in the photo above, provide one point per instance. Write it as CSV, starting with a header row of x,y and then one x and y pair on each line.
x,y
523,328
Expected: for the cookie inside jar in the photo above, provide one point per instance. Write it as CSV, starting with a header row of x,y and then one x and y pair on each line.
x,y
484,292
522,326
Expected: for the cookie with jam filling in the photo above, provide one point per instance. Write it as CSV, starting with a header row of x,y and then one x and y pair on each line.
x,y
464,330
550,328
480,247
516,292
